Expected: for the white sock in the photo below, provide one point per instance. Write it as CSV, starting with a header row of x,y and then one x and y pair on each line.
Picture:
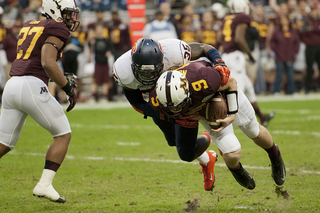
x,y
47,177
204,158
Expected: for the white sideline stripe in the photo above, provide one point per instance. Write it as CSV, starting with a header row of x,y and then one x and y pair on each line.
x,y
128,143
13,152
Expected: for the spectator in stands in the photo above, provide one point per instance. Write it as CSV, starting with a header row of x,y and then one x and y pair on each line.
x,y
285,43
92,27
188,10
310,34
187,30
102,50
266,73
209,29
10,44
159,28
121,41
165,8
3,57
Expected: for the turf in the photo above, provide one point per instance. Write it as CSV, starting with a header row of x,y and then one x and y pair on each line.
x,y
119,162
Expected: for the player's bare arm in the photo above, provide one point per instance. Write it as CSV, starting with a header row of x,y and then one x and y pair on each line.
x,y
240,39
199,50
49,53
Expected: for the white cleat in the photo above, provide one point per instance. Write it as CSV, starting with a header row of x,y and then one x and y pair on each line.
x,y
48,192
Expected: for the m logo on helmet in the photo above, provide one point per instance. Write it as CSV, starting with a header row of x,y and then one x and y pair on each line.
x,y
183,85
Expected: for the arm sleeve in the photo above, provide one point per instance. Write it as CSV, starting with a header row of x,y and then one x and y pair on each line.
x,y
136,100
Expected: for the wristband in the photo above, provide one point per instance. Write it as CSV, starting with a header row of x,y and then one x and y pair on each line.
x,y
68,89
213,54
232,101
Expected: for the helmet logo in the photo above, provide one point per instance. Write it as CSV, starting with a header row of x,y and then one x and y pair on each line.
x,y
134,48
183,85
160,47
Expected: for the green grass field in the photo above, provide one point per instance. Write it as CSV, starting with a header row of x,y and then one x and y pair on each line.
x,y
119,162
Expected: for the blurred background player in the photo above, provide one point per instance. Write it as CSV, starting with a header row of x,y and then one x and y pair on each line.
x,y
102,49
233,39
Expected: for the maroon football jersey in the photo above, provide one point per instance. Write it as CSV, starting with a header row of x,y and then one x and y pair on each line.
x,y
204,81
229,25
31,39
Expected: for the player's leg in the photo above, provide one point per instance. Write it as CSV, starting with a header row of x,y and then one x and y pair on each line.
x,y
192,146
12,120
230,149
11,123
49,114
167,129
261,136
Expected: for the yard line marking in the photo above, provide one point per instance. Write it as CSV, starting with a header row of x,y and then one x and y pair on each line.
x,y
158,160
288,132
128,143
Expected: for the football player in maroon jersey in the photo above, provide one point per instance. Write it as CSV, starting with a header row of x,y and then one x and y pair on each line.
x,y
40,45
186,90
234,29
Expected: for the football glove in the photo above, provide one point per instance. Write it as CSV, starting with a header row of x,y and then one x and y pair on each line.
x,y
72,97
223,69
72,79
72,100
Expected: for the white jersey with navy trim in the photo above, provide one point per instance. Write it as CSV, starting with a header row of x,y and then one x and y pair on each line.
x,y
175,52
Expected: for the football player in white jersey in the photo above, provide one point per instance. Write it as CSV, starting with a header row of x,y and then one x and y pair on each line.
x,y
138,70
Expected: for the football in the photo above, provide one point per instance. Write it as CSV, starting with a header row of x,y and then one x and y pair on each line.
x,y
216,109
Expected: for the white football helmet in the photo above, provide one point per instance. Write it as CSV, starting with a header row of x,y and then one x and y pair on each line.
x,y
239,6
65,10
219,10
173,93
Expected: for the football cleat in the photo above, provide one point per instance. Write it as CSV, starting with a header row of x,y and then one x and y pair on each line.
x,y
48,192
268,117
208,171
278,170
244,178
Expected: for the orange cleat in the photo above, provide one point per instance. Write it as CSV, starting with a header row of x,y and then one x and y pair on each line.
x,y
208,171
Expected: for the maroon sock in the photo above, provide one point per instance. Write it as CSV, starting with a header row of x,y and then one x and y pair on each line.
x,y
51,165
260,115
273,152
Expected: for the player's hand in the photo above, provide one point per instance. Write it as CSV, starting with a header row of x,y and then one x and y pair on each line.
x,y
72,79
221,67
224,123
185,122
72,98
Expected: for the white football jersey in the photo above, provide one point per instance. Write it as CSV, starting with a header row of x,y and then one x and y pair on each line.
x,y
175,53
